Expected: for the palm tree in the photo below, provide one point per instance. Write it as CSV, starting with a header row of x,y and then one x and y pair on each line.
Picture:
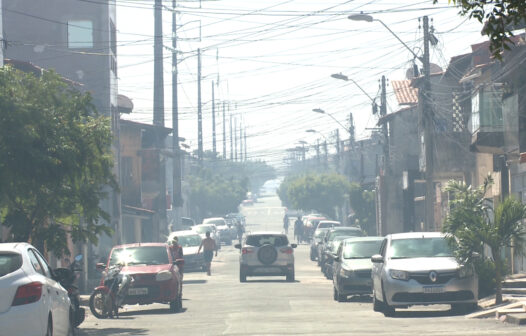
x,y
475,223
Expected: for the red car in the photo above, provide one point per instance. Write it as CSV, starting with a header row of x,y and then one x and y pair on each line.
x,y
156,277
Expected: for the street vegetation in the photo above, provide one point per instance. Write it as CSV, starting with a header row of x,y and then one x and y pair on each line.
x,y
476,225
56,163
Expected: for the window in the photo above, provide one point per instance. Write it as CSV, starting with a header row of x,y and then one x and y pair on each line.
x,y
34,262
260,240
9,262
80,34
45,266
142,255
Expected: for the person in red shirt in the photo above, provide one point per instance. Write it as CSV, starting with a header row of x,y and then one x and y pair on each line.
x,y
177,252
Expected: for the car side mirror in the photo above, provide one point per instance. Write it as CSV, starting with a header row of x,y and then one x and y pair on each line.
x,y
238,246
475,255
293,245
100,266
377,258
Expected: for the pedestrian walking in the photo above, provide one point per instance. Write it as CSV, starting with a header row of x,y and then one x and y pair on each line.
x,y
209,246
286,222
298,230
177,252
240,230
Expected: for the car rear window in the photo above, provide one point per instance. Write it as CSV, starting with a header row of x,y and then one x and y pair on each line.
x,y
350,233
140,255
361,249
9,262
260,240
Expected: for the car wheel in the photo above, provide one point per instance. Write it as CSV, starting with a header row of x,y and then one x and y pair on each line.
x,y
49,329
335,294
341,297
290,276
242,277
388,310
377,305
100,304
176,305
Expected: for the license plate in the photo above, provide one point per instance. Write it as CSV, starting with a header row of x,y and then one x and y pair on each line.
x,y
269,270
137,291
433,289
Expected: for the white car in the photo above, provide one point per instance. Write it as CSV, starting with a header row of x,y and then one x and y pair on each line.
x,y
201,229
32,302
189,241
419,268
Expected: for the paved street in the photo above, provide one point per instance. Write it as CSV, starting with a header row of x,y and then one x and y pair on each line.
x,y
221,305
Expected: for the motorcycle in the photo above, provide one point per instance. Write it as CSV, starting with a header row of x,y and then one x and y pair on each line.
x,y
107,298
67,277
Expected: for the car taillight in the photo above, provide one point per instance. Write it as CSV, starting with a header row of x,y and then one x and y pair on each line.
x,y
246,250
287,250
28,294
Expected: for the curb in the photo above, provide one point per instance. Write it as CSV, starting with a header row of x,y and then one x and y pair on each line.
x,y
516,318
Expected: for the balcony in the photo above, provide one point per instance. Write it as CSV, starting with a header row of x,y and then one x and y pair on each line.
x,y
486,120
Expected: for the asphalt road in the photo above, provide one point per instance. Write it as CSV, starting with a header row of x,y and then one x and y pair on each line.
x,y
221,305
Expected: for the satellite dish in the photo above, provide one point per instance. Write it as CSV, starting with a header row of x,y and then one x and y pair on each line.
x,y
434,68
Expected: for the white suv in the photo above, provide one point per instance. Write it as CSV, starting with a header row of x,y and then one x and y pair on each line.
x,y
266,253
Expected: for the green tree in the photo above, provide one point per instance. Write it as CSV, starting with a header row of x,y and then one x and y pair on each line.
x,y
320,192
364,206
498,17
55,161
475,223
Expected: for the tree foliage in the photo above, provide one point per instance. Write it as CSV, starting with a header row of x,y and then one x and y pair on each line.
x,y
320,192
498,17
364,206
475,223
55,161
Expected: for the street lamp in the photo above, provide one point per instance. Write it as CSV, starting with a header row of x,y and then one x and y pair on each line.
x,y
369,18
345,78
314,131
319,110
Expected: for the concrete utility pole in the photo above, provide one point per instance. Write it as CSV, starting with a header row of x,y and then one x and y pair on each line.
x,y
158,120
231,138
2,37
337,158
241,142
199,111
245,146
177,197
383,112
214,149
235,139
318,153
326,161
351,144
224,133
427,119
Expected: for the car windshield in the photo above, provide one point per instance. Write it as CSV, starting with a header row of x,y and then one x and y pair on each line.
x,y
320,232
187,241
9,262
420,248
361,249
260,240
140,255
203,229
215,221
350,233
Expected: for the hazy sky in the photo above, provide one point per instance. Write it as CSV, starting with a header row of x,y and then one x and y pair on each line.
x,y
272,61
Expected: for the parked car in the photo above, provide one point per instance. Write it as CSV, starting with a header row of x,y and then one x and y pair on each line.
x,y
32,301
156,277
342,231
352,266
201,229
315,242
225,232
309,225
189,241
327,224
187,222
266,254
419,268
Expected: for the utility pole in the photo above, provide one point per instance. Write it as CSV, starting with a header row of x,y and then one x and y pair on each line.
x,y
177,197
231,138
199,112
214,149
245,146
337,157
235,139
241,142
326,163
351,145
383,112
2,37
158,120
318,153
224,133
427,119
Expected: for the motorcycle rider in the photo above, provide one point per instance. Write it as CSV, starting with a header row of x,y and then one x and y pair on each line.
x,y
177,252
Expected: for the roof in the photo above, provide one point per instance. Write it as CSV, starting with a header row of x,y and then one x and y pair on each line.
x,y
390,116
406,235
404,92
29,67
358,239
138,245
165,130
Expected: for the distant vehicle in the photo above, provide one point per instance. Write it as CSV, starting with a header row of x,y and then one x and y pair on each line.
x,y
156,277
352,266
316,241
225,233
327,224
266,254
32,301
247,202
189,241
201,229
419,268
310,222
326,249
187,222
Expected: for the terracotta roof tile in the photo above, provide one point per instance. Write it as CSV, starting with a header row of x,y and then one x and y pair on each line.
x,y
405,93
